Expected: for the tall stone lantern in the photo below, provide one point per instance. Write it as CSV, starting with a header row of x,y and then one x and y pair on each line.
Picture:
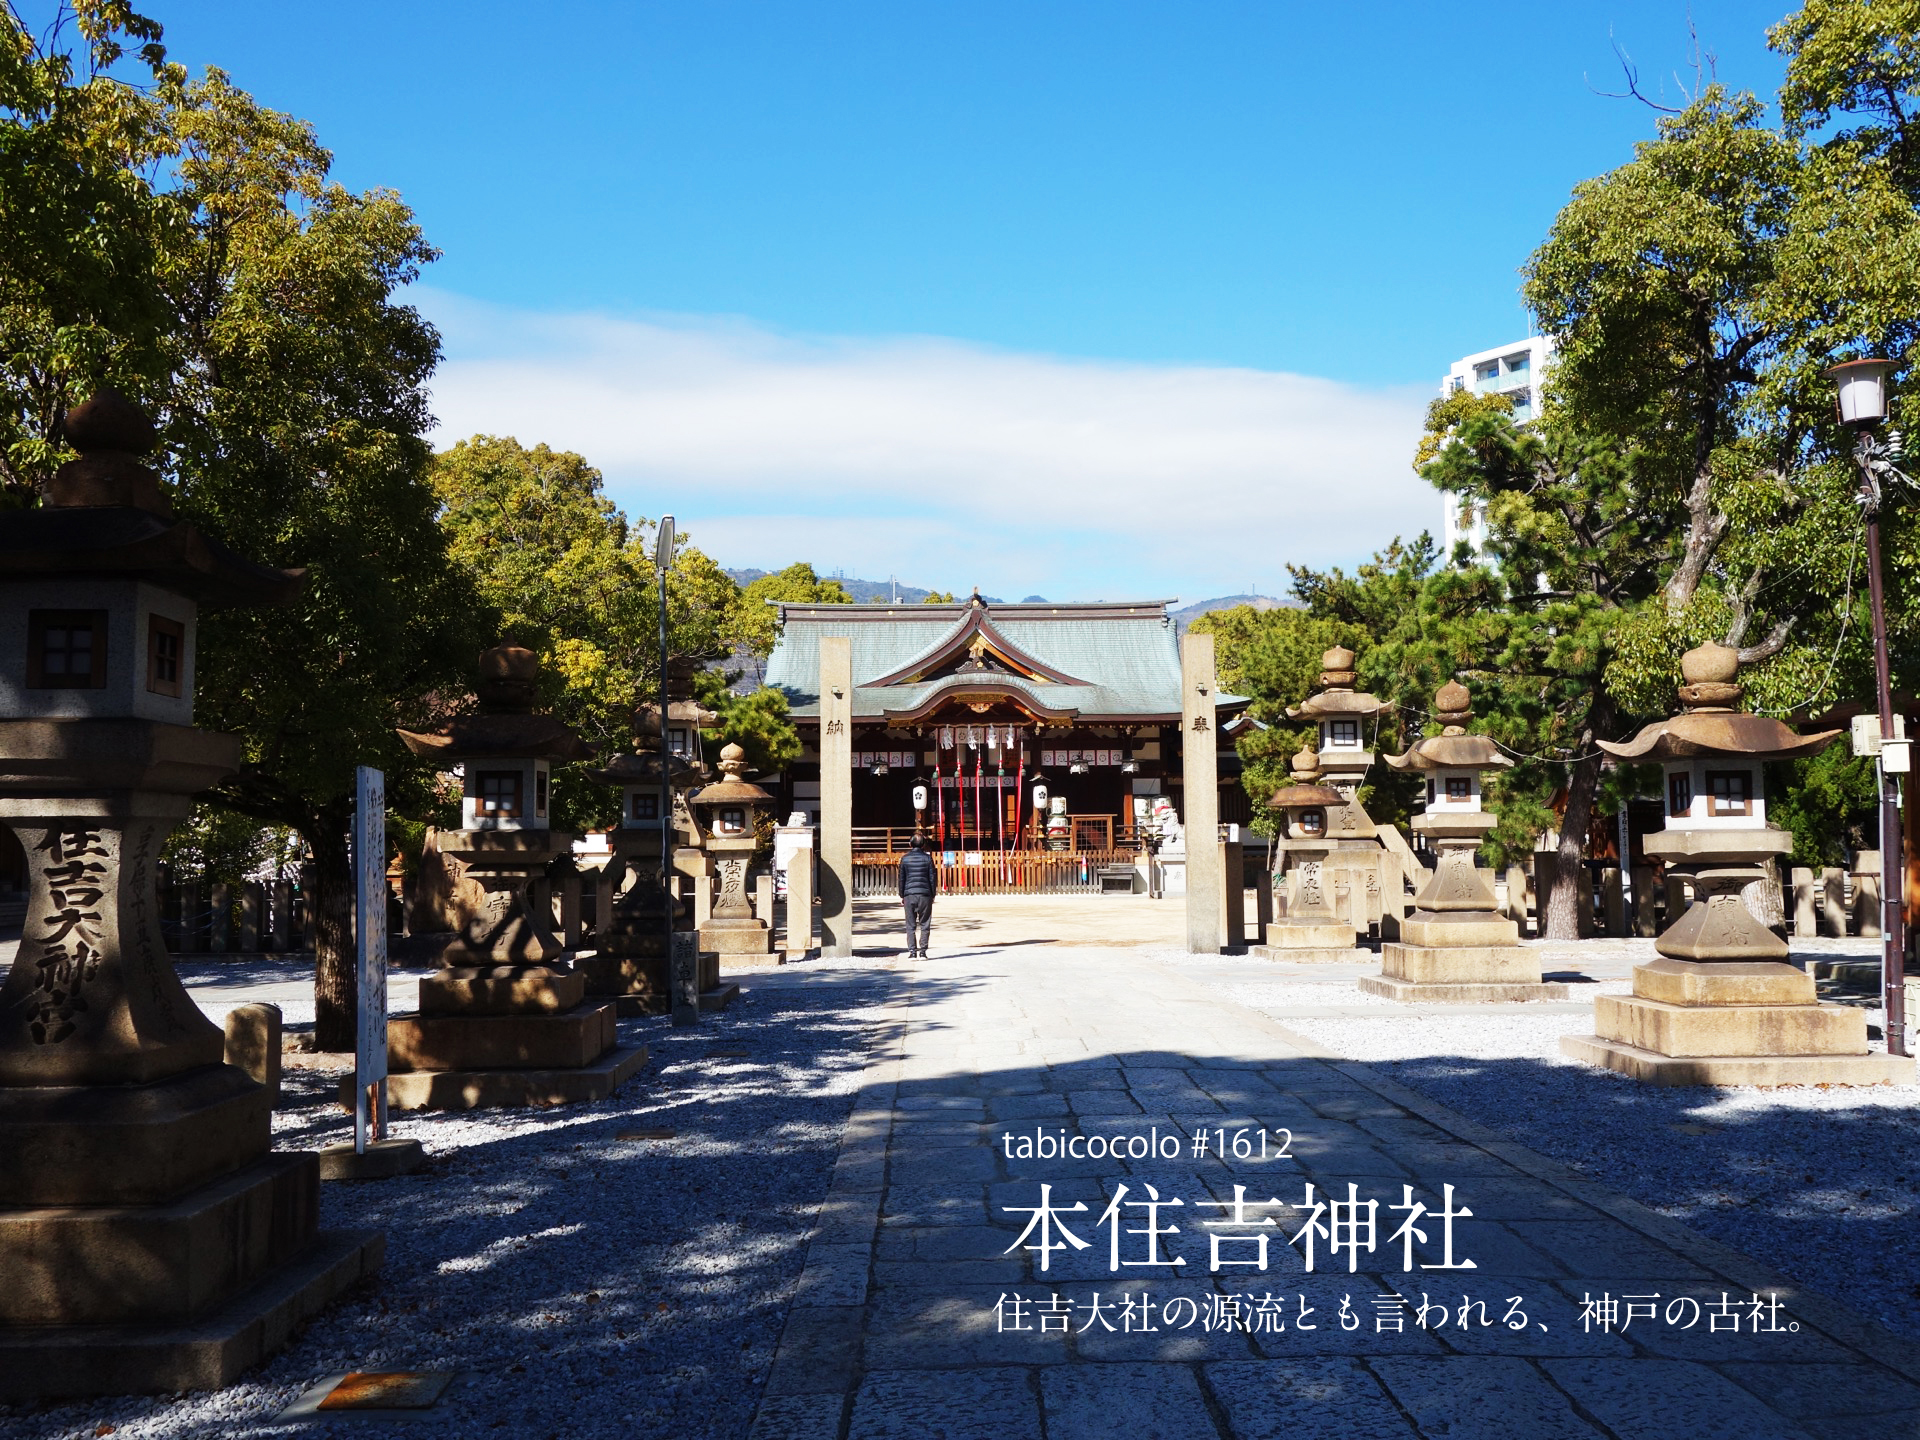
x,y
1356,850
1313,928
630,962
729,810
1722,1006
505,1020
1457,946
150,1240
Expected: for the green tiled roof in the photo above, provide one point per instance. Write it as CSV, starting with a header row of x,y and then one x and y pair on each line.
x,y
1126,654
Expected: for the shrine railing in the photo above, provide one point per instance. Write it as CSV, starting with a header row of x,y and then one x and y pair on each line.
x,y
991,872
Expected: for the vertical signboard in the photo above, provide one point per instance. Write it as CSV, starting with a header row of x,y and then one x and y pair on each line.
x,y
370,930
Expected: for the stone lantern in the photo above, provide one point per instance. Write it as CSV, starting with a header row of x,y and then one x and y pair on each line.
x,y
630,962
1312,928
1457,946
1722,1006
150,1238
1354,850
728,810
503,1021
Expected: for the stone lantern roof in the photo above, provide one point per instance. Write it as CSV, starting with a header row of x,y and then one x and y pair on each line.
x,y
1453,748
1305,793
506,726
1709,722
1336,695
104,515
730,788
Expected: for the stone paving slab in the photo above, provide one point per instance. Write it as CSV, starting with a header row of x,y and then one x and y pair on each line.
x,y
925,1310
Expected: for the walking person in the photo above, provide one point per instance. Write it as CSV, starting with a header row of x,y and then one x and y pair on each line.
x,y
918,882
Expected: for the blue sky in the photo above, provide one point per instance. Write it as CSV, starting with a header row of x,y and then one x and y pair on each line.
x,y
1043,296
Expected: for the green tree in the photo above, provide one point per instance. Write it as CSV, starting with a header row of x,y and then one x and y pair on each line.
x,y
290,388
760,602
572,578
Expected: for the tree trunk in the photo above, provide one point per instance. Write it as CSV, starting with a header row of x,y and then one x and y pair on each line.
x,y
1561,904
335,975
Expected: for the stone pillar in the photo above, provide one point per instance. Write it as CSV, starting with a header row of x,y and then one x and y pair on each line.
x,y
763,898
1646,916
1805,917
1866,894
798,942
1833,910
1615,900
253,1044
1518,895
836,796
1199,771
702,898
1233,896
1262,904
572,923
1676,892
252,898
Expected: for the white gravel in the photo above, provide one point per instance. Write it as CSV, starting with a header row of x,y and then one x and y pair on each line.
x,y
1821,1184
585,1286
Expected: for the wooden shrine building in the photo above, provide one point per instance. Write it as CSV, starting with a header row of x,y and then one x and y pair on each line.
x,y
985,704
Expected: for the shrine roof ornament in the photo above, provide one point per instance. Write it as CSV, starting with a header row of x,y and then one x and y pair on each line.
x,y
1709,722
105,515
1087,664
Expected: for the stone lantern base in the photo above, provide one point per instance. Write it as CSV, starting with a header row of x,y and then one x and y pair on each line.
x,y
1732,1023
1306,942
1722,1006
1461,957
631,966
504,1035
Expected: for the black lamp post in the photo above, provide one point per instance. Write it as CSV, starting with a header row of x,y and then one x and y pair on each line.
x,y
1862,396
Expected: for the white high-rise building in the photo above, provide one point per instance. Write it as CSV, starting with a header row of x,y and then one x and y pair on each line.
x,y
1512,370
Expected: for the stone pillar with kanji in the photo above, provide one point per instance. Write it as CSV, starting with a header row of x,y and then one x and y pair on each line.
x,y
505,1020
1456,946
1723,1005
151,1239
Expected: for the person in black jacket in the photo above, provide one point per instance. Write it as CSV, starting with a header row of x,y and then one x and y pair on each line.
x,y
918,882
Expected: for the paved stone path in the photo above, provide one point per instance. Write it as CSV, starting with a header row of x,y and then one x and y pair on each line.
x,y
906,1323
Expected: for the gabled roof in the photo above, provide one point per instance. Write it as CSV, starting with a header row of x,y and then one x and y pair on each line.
x,y
1100,663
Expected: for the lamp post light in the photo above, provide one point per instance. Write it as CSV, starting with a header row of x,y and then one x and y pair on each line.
x,y
1861,395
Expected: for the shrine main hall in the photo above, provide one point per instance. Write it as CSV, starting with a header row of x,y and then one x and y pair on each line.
x,y
985,709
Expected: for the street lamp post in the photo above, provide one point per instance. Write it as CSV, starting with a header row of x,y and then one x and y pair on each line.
x,y
682,984
1862,396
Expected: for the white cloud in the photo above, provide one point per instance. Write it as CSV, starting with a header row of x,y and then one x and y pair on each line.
x,y
945,463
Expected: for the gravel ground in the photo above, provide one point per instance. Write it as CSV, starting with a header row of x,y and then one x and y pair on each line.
x,y
584,1286
1821,1184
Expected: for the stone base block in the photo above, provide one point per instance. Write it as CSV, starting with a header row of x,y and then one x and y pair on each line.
x,y
500,1042
752,940
75,1362
502,990
1656,1069
1705,1030
506,1089
1738,982
130,1144
1460,965
1314,955
382,1160
156,1264
1307,935
1467,929
715,997
1470,993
